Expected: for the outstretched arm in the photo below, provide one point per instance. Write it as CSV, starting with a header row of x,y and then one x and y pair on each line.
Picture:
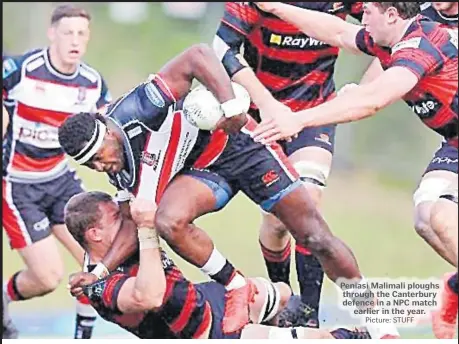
x,y
355,104
322,26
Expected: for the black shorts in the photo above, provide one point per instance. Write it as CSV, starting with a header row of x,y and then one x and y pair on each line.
x,y
30,210
445,159
322,137
260,171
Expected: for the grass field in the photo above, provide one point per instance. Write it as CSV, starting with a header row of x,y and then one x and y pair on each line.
x,y
374,219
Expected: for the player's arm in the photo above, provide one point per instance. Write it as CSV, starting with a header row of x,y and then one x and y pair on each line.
x,y
146,291
362,101
357,103
237,22
322,26
6,120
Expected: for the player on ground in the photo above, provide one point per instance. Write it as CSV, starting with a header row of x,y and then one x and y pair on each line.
x,y
40,89
437,174
420,61
148,148
285,70
149,296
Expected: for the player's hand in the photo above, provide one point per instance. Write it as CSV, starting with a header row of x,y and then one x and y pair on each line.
x,y
143,212
267,6
233,124
273,109
78,280
278,128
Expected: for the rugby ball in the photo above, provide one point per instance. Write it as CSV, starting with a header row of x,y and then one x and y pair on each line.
x,y
203,110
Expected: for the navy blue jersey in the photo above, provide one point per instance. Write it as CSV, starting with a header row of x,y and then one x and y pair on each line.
x,y
428,11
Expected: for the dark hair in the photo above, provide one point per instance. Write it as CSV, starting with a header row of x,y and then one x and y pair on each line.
x,y
68,11
82,212
406,10
77,130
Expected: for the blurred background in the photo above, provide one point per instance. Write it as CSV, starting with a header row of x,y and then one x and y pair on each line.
x,y
377,165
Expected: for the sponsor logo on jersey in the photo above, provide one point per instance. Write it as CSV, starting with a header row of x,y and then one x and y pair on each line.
x,y
9,67
292,41
154,95
150,159
412,43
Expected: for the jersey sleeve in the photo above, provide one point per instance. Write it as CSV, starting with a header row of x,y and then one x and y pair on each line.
x,y
237,22
148,104
105,95
11,73
365,43
418,55
106,290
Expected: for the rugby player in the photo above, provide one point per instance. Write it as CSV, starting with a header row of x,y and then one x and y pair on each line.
x,y
149,296
437,174
40,89
148,148
285,70
420,61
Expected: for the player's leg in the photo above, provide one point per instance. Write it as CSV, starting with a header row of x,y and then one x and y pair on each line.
x,y
27,227
272,182
444,221
189,196
62,190
440,173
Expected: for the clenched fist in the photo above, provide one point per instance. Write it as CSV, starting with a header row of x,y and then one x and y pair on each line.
x,y
143,212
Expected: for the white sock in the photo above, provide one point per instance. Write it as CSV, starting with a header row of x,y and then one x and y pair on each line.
x,y
236,282
214,264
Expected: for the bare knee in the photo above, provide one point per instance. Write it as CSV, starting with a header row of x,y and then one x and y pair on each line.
x,y
272,226
422,219
316,239
49,279
171,226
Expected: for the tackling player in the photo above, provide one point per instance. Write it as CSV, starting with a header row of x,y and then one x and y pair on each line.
x,y
285,70
420,61
149,296
40,89
436,175
148,148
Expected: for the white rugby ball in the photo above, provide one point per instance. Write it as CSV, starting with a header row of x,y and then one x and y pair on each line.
x,y
203,110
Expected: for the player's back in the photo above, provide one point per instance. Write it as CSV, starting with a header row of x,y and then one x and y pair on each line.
x,y
296,68
38,99
185,312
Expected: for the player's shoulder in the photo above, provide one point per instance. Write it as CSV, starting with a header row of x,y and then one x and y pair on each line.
x,y
90,73
29,59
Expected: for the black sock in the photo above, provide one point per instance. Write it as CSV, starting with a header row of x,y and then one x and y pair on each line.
x,y
83,327
277,263
310,277
225,275
453,283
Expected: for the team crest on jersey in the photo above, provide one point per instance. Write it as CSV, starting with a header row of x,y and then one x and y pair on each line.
x,y
81,94
150,159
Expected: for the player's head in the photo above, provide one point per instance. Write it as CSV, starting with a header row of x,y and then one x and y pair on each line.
x,y
69,34
93,219
448,8
386,21
88,140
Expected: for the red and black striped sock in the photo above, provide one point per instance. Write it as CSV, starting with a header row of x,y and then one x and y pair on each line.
x,y
277,263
